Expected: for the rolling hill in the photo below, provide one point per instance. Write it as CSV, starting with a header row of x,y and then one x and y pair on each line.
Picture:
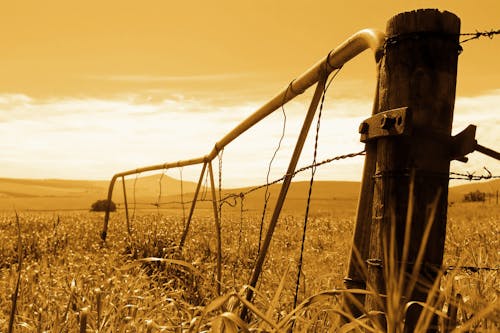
x,y
58,194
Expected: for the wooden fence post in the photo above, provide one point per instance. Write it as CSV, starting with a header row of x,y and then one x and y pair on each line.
x,y
355,278
417,71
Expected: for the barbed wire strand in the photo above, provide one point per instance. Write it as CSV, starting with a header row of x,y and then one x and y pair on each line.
x,y
311,182
135,183
204,190
159,193
471,176
305,168
233,196
478,34
182,198
240,233
471,269
375,262
219,157
230,198
267,195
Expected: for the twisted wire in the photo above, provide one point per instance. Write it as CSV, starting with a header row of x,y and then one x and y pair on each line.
x,y
267,195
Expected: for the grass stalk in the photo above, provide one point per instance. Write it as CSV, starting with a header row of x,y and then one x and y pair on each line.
x,y
83,320
15,295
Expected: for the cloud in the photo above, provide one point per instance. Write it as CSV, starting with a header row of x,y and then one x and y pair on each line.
x,y
95,138
169,78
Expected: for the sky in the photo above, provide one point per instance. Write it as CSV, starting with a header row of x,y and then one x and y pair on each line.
x,y
92,88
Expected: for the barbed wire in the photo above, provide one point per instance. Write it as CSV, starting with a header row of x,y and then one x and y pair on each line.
x,y
220,156
378,263
267,195
470,176
135,201
159,193
478,34
278,180
182,196
311,183
395,39
230,199
472,269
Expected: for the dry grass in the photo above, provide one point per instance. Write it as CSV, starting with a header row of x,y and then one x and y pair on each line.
x,y
69,277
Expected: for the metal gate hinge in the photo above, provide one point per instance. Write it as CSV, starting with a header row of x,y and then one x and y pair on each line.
x,y
397,122
465,143
388,123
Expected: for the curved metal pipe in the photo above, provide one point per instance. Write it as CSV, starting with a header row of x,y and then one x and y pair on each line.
x,y
164,166
357,43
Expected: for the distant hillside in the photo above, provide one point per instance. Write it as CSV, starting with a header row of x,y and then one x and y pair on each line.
x,y
457,193
49,194
57,194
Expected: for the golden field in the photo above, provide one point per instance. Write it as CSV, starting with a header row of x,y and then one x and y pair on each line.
x,y
142,283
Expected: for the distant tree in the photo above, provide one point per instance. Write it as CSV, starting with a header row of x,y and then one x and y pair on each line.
x,y
102,205
475,196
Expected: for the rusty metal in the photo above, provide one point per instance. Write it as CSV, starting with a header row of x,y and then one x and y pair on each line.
x,y
193,205
487,151
140,170
126,204
217,228
387,123
362,40
363,128
284,187
463,144
357,43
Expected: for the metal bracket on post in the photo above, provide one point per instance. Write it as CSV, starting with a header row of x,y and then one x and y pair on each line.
x,y
397,122
465,143
388,123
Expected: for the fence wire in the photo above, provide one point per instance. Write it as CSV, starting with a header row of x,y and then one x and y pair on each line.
x,y
231,198
472,176
471,269
478,34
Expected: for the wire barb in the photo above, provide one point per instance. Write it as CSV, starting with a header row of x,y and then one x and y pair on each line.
x,y
471,176
231,199
219,157
311,182
276,181
478,34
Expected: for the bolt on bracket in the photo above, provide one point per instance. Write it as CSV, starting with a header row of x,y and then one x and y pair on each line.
x,y
388,123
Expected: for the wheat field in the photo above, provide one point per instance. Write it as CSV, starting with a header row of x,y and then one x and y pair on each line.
x,y
67,279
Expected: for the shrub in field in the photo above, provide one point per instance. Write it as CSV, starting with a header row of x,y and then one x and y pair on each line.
x,y
102,206
475,196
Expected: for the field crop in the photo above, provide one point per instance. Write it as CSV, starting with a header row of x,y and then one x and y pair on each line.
x,y
69,279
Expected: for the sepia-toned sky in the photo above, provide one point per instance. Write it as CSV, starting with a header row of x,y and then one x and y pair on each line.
x,y
90,88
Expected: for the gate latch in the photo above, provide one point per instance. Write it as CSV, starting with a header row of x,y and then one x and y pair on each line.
x,y
388,123
398,122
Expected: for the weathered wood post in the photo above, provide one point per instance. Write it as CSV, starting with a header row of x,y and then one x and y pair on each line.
x,y
355,278
417,76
